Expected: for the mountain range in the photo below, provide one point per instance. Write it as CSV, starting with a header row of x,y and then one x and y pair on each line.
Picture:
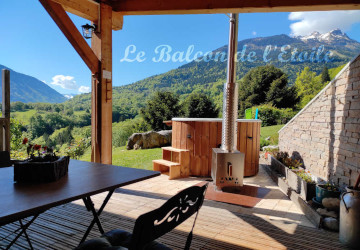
x,y
291,54
208,76
25,88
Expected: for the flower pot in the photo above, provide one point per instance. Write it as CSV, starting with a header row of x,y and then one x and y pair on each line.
x,y
29,171
322,192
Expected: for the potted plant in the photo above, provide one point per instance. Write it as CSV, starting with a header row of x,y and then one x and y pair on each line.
x,y
42,165
307,185
327,190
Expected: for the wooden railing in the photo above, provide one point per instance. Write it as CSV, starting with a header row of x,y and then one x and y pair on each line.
x,y
5,119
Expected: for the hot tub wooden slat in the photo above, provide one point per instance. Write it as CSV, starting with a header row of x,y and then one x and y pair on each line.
x,y
200,136
212,142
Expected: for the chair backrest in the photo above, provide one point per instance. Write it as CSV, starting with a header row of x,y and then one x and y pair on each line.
x,y
5,159
176,210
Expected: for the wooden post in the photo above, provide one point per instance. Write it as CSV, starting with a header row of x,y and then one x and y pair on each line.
x,y
101,102
5,128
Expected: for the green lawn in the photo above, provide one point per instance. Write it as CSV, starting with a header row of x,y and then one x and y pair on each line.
x,y
24,116
141,158
271,131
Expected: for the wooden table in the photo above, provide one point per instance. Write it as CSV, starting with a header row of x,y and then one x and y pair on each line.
x,y
84,179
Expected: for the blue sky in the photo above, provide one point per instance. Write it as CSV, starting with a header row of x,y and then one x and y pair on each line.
x,y
32,44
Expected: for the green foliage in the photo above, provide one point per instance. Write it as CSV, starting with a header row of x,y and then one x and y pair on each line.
x,y
334,71
306,176
325,77
270,115
120,114
161,107
38,126
199,105
60,137
264,143
266,85
16,134
77,148
308,86
18,106
123,130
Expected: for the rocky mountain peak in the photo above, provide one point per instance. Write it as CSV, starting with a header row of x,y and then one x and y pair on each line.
x,y
333,36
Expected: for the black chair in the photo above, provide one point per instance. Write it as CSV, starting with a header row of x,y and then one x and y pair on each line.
x,y
5,159
154,224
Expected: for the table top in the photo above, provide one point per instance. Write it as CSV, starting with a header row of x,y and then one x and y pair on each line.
x,y
84,179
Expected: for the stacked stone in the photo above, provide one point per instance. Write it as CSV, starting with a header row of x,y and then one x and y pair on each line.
x,y
326,133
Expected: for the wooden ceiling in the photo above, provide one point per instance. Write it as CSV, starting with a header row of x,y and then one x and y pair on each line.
x,y
152,7
89,9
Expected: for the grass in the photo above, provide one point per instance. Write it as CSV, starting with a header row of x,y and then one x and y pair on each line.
x,y
24,116
272,132
141,158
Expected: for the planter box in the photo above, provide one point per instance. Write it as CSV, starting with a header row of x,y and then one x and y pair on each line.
x,y
278,166
307,190
38,172
294,181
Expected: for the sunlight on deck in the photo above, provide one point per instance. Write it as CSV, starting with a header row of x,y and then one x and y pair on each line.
x,y
274,222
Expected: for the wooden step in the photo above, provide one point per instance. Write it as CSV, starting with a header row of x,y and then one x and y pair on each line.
x,y
167,167
166,163
174,149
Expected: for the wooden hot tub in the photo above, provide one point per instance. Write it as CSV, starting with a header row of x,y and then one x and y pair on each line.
x,y
199,135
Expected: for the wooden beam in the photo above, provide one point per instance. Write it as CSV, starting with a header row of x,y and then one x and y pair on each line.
x,y
63,21
101,102
158,7
5,123
90,10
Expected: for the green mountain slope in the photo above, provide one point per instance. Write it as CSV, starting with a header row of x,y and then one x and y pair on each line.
x,y
209,76
26,89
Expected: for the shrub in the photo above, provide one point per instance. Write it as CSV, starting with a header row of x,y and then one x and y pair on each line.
x,y
199,105
264,143
160,107
270,115
123,130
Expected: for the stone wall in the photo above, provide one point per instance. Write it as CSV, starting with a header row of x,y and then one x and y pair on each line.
x,y
325,134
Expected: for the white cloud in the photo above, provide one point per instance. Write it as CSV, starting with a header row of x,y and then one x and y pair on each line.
x,y
84,89
254,33
66,82
322,21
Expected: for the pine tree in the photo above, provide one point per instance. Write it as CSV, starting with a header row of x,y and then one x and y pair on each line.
x,y
325,77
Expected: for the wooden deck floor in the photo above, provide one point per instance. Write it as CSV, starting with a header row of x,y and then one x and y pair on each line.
x,y
219,225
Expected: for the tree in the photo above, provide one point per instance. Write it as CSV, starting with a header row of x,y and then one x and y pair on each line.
x,y
263,85
161,107
325,77
16,134
199,105
307,85
38,126
280,95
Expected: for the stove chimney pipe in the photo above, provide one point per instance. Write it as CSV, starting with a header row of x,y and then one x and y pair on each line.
x,y
230,99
